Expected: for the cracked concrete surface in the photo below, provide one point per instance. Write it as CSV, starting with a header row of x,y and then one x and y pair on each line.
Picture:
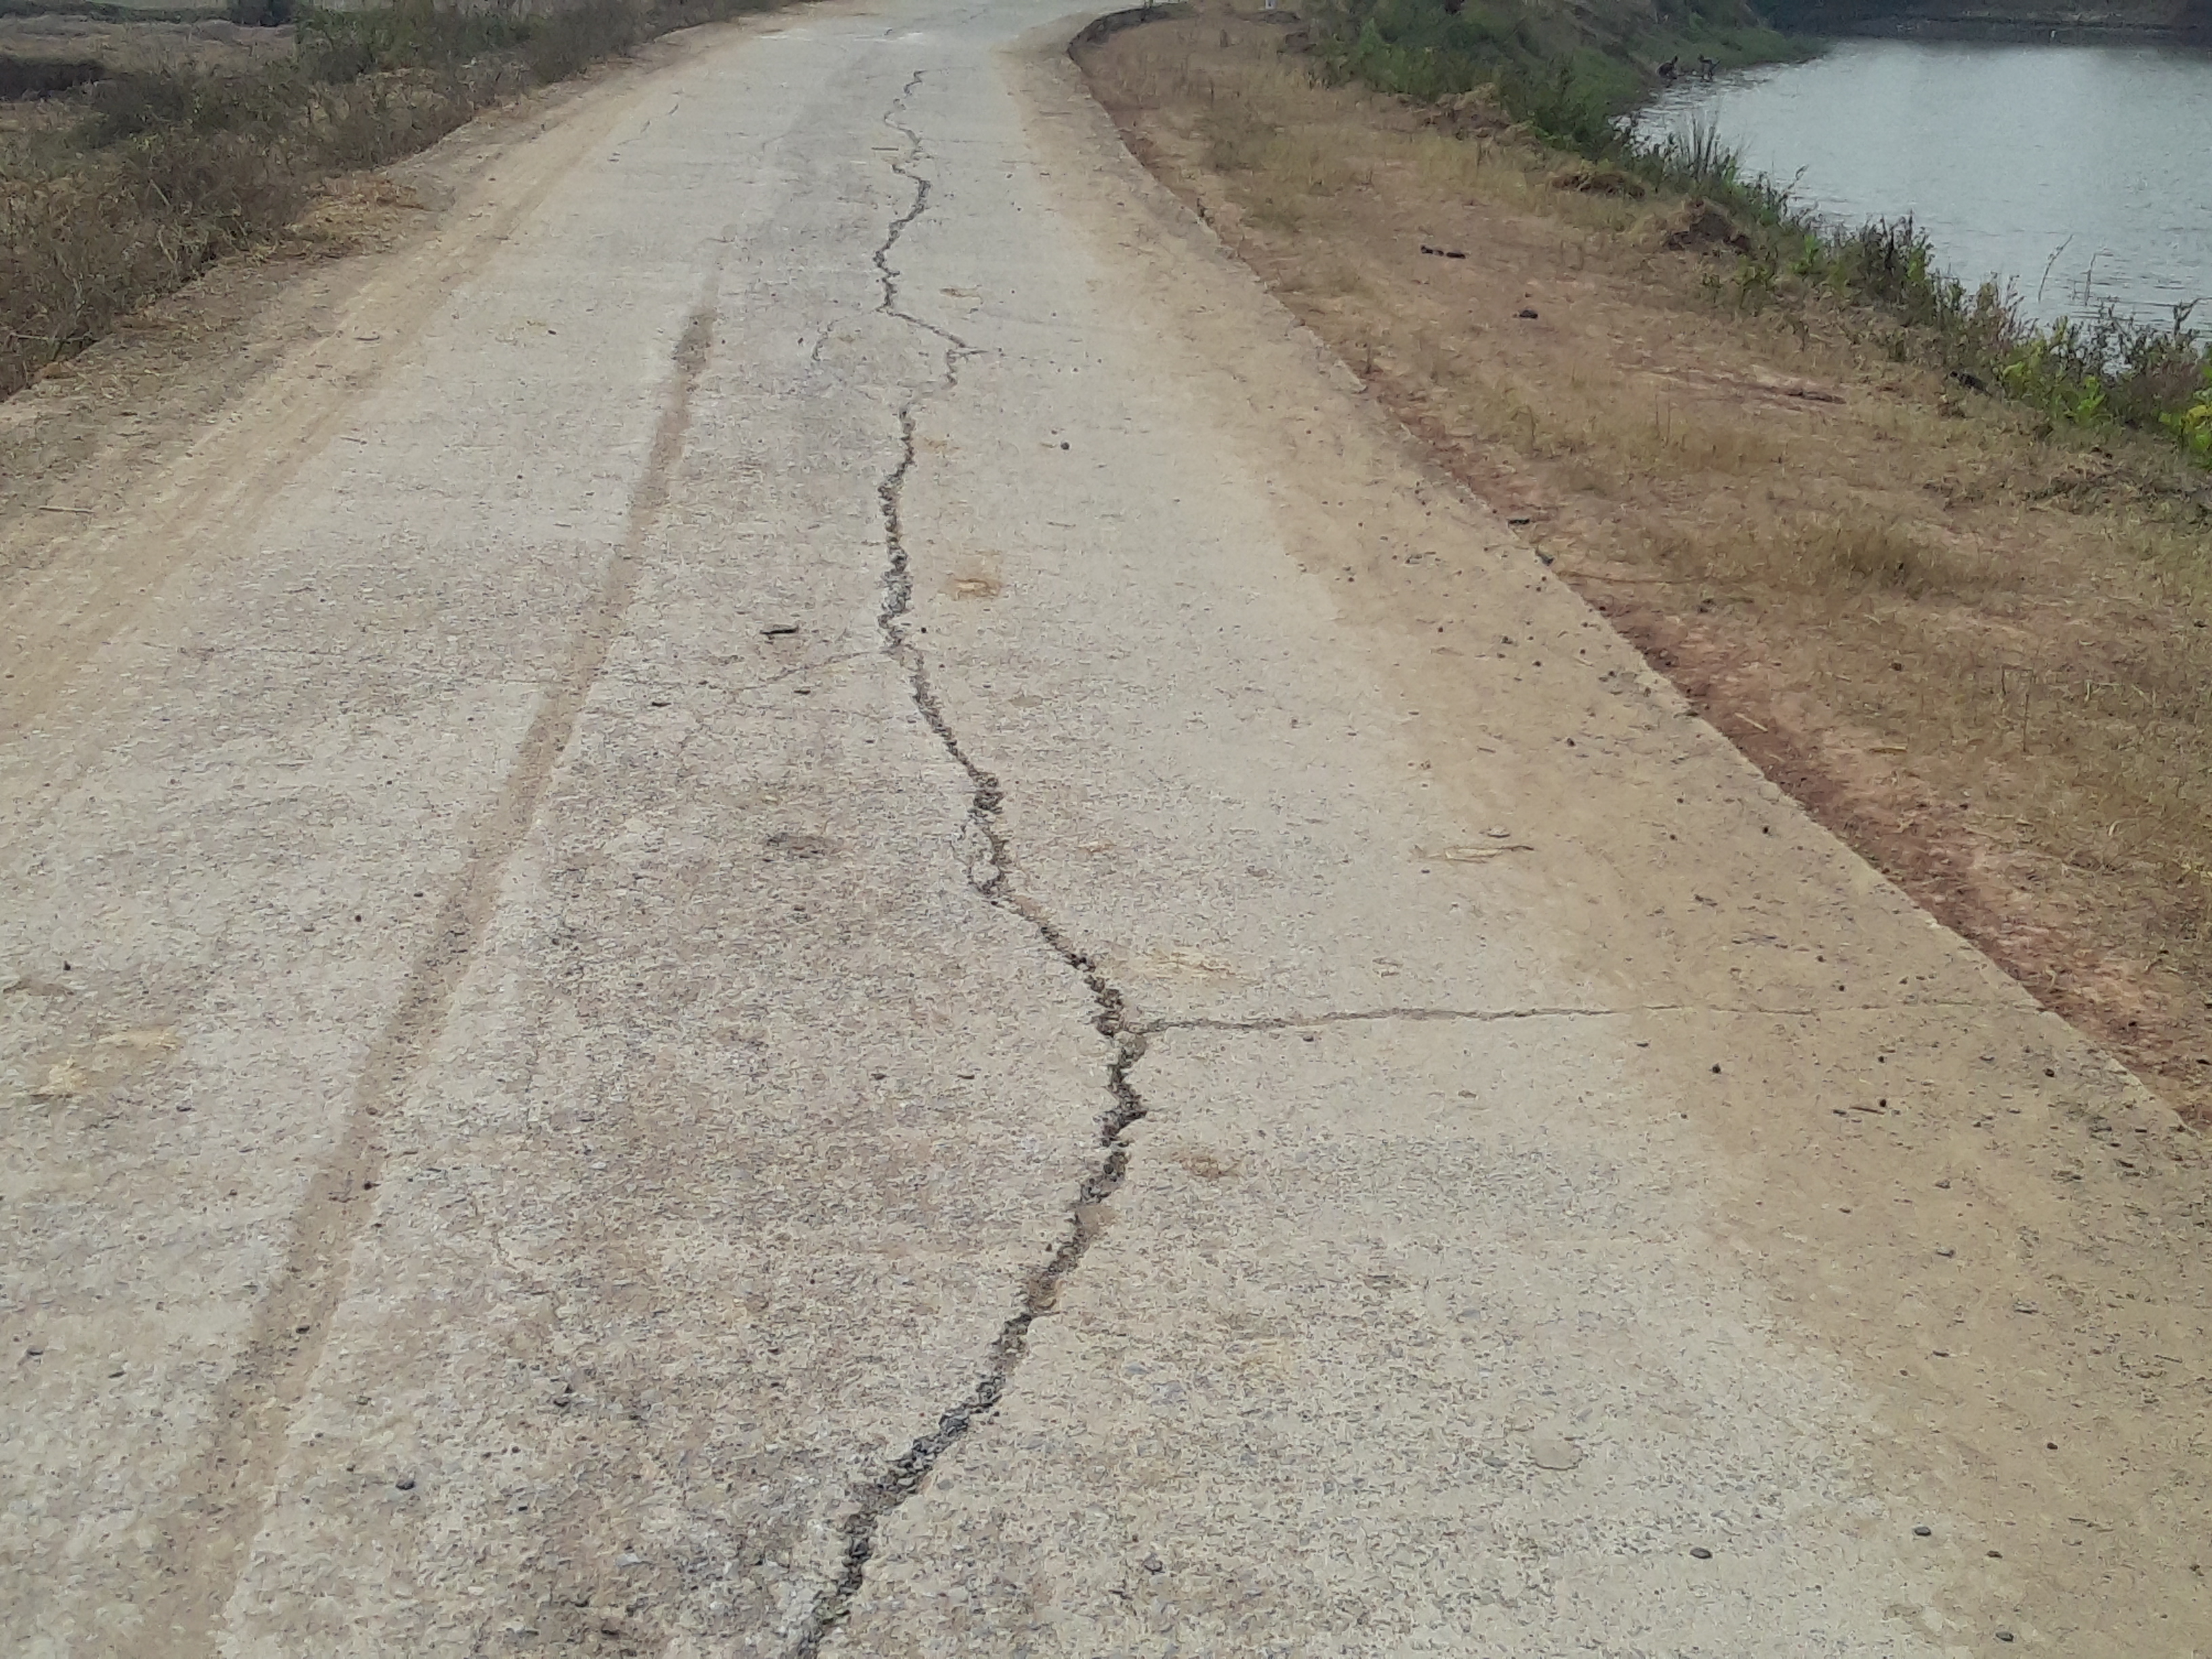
x,y
586,933
990,877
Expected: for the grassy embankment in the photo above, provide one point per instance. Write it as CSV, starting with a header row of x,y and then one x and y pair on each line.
x,y
1568,75
1970,632
118,190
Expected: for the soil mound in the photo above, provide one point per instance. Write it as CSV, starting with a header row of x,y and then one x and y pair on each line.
x,y
1592,179
1471,114
1699,226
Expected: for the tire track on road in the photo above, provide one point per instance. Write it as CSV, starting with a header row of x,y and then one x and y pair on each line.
x,y
215,491
213,1519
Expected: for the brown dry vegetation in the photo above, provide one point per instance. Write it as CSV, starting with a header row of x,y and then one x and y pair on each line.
x,y
1975,647
210,44
191,143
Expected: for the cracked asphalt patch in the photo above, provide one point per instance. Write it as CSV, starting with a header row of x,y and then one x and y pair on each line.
x,y
943,1100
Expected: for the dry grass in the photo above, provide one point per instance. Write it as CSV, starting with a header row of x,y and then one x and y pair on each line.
x,y
1839,560
140,48
1978,648
205,140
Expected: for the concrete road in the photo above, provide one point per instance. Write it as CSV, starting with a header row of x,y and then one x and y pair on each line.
x,y
808,902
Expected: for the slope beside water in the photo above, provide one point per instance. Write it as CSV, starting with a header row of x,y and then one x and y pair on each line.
x,y
2074,172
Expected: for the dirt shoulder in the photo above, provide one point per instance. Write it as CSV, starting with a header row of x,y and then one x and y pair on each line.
x,y
1978,652
116,458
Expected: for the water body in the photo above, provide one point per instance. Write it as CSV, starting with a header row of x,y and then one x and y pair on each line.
x,y
2080,174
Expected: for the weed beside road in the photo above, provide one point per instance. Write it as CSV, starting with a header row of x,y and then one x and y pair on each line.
x,y
118,188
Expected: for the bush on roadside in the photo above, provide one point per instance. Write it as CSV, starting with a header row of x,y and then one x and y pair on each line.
x,y
2192,427
2108,370
567,40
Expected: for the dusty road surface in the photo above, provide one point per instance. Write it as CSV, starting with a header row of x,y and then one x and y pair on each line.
x,y
802,900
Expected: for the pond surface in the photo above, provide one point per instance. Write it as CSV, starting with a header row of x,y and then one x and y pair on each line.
x,y
2080,174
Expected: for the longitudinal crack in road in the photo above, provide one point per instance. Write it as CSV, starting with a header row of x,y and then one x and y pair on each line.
x,y
989,870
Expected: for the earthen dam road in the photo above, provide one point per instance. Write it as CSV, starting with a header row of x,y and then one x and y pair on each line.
x,y
812,904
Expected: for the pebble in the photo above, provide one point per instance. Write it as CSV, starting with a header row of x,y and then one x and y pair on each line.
x,y
405,1483
2004,1636
1698,1552
1924,1532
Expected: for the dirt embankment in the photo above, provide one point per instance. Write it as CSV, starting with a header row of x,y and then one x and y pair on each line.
x,y
1979,651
